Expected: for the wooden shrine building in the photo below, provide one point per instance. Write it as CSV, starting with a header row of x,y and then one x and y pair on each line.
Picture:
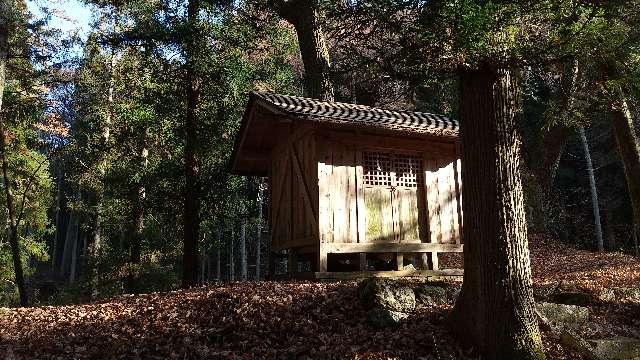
x,y
354,188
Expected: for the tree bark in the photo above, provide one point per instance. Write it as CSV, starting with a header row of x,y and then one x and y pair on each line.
x,y
593,189
304,16
495,310
191,215
629,149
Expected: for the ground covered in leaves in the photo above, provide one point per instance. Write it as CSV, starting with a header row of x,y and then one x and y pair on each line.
x,y
290,320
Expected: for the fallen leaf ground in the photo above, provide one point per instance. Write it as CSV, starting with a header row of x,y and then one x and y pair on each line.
x,y
287,320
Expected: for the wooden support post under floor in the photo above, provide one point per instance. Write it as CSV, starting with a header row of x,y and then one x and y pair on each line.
x,y
292,263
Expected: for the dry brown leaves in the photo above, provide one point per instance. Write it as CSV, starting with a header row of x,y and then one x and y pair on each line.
x,y
240,320
281,320
554,262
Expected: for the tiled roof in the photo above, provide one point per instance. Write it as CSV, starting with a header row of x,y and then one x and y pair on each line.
x,y
344,113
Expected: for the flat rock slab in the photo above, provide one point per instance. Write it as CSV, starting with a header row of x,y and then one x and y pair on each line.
x,y
564,315
618,348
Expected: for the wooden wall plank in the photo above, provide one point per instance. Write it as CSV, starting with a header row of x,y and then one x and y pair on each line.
x,y
408,221
352,198
325,213
453,190
343,193
360,208
458,183
444,200
433,204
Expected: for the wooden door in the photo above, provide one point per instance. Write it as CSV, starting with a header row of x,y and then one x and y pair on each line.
x,y
378,197
407,170
390,184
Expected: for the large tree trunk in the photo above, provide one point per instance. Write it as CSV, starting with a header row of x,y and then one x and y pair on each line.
x,y
6,8
191,215
495,310
629,149
594,190
304,16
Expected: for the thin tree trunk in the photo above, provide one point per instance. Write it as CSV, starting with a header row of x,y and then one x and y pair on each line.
x,y
259,230
218,263
191,160
231,264
203,260
629,149
94,246
6,9
218,246
74,255
303,15
593,189
611,235
243,250
66,248
209,264
133,279
13,221
57,220
495,310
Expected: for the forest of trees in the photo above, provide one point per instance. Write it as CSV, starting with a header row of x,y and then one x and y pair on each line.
x,y
115,148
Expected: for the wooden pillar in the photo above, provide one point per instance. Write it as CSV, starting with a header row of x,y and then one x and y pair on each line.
x,y
322,259
433,261
399,261
363,261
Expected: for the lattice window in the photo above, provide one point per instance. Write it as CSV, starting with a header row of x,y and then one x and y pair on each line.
x,y
408,170
379,169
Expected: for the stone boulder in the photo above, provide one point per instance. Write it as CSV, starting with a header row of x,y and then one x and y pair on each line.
x,y
573,298
617,348
386,294
384,318
562,315
430,295
630,293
